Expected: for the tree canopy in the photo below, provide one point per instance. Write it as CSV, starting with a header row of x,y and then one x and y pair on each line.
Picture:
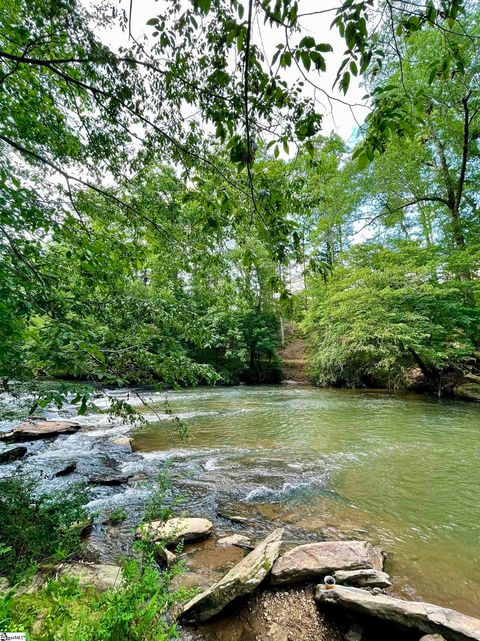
x,y
155,198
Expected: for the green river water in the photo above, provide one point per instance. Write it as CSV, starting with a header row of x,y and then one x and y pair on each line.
x,y
400,470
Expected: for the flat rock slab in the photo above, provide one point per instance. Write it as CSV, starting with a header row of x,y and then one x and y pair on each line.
x,y
101,575
424,617
242,579
369,578
175,530
34,430
314,560
13,454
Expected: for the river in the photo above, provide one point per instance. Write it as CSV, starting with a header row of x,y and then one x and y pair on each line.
x,y
402,471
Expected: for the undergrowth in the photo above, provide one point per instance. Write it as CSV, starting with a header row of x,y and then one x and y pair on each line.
x,y
42,530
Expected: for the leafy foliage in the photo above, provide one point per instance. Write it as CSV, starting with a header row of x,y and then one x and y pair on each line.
x,y
377,316
134,611
37,528
137,248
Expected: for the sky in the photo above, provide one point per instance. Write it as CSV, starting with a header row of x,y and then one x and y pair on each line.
x,y
338,117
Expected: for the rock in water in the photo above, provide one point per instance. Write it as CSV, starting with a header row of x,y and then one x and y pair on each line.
x,y
110,479
122,441
314,560
34,430
363,578
239,540
166,557
13,454
175,530
424,617
242,579
65,471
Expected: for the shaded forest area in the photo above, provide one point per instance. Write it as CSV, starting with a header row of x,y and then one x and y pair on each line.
x,y
156,200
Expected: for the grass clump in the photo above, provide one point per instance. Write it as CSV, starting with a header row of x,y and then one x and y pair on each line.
x,y
161,504
37,528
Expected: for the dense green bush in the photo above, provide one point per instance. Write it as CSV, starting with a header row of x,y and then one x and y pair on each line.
x,y
37,528
388,309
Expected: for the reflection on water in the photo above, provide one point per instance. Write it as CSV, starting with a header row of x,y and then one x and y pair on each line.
x,y
400,470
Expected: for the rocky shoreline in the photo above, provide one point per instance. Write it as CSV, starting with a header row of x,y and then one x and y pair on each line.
x,y
348,574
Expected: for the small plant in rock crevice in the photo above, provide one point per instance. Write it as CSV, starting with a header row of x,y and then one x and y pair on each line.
x,y
117,516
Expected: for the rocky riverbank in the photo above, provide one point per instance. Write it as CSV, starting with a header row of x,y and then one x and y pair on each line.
x,y
275,598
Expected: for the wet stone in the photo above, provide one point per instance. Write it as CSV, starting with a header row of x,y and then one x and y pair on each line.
x,y
175,530
12,454
314,560
110,479
238,540
242,579
33,430
66,470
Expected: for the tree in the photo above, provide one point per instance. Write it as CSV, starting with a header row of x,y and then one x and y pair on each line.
x,y
384,311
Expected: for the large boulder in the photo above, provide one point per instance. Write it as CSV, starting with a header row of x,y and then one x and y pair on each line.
x,y
175,530
423,617
12,454
468,388
315,560
34,430
365,578
242,579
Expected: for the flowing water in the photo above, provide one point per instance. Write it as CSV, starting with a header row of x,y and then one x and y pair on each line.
x,y
400,470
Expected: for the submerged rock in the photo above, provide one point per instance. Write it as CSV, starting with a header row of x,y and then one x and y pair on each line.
x,y
34,430
101,575
424,617
242,579
175,530
369,578
12,454
314,560
238,540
